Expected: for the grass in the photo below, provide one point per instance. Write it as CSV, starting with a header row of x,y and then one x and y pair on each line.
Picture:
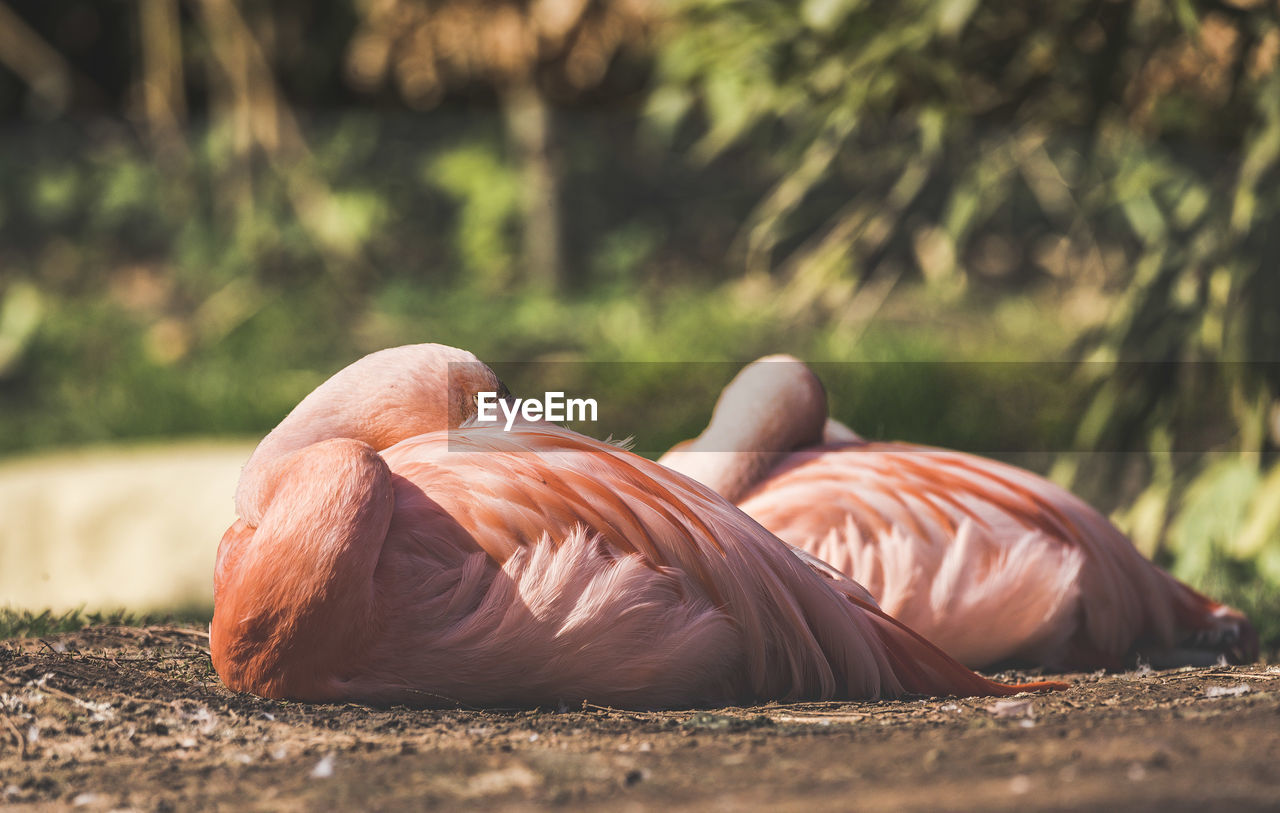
x,y
31,624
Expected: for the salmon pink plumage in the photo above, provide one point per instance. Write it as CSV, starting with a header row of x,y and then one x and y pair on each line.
x,y
388,551
990,562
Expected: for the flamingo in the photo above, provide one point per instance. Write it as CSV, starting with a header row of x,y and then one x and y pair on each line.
x,y
388,550
990,562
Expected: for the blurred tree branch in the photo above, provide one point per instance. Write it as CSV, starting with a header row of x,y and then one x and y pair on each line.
x,y
44,70
520,48
260,117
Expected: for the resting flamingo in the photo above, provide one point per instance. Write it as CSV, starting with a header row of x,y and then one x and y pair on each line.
x,y
379,558
990,562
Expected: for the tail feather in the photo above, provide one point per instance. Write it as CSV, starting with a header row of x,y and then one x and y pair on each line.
x,y
923,668
1205,624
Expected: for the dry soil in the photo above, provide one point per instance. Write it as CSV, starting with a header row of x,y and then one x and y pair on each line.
x,y
111,718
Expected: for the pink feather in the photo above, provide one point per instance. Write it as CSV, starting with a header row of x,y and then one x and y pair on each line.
x,y
447,565
988,561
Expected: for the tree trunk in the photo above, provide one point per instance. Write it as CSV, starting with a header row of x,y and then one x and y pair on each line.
x,y
162,93
531,133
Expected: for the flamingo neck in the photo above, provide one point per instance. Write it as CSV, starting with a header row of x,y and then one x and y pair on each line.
x,y
735,461
294,596
739,449
774,406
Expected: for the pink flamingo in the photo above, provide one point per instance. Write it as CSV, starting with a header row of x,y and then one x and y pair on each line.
x,y
990,562
379,558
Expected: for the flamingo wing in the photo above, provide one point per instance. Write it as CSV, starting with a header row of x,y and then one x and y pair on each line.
x,y
989,561
794,636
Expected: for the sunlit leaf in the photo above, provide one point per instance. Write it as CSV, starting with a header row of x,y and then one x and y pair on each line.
x,y
825,15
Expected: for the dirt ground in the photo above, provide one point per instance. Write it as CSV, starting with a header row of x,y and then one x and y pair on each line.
x,y
112,718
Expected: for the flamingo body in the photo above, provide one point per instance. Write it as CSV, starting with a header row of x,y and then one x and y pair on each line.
x,y
531,567
990,562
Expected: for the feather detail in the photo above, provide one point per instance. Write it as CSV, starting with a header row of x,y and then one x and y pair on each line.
x,y
539,567
988,561
390,551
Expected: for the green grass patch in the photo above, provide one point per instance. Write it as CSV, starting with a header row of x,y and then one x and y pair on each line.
x,y
34,624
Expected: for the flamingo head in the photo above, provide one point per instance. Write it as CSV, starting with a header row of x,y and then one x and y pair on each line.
x,y
381,399
776,401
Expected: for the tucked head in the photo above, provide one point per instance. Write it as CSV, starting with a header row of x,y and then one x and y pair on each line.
x,y
383,398
403,392
775,402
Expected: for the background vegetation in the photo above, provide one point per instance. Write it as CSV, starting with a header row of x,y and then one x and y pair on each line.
x,y
207,206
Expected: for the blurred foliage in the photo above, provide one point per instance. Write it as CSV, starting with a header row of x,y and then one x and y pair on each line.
x,y
428,47
488,198
1121,151
206,207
